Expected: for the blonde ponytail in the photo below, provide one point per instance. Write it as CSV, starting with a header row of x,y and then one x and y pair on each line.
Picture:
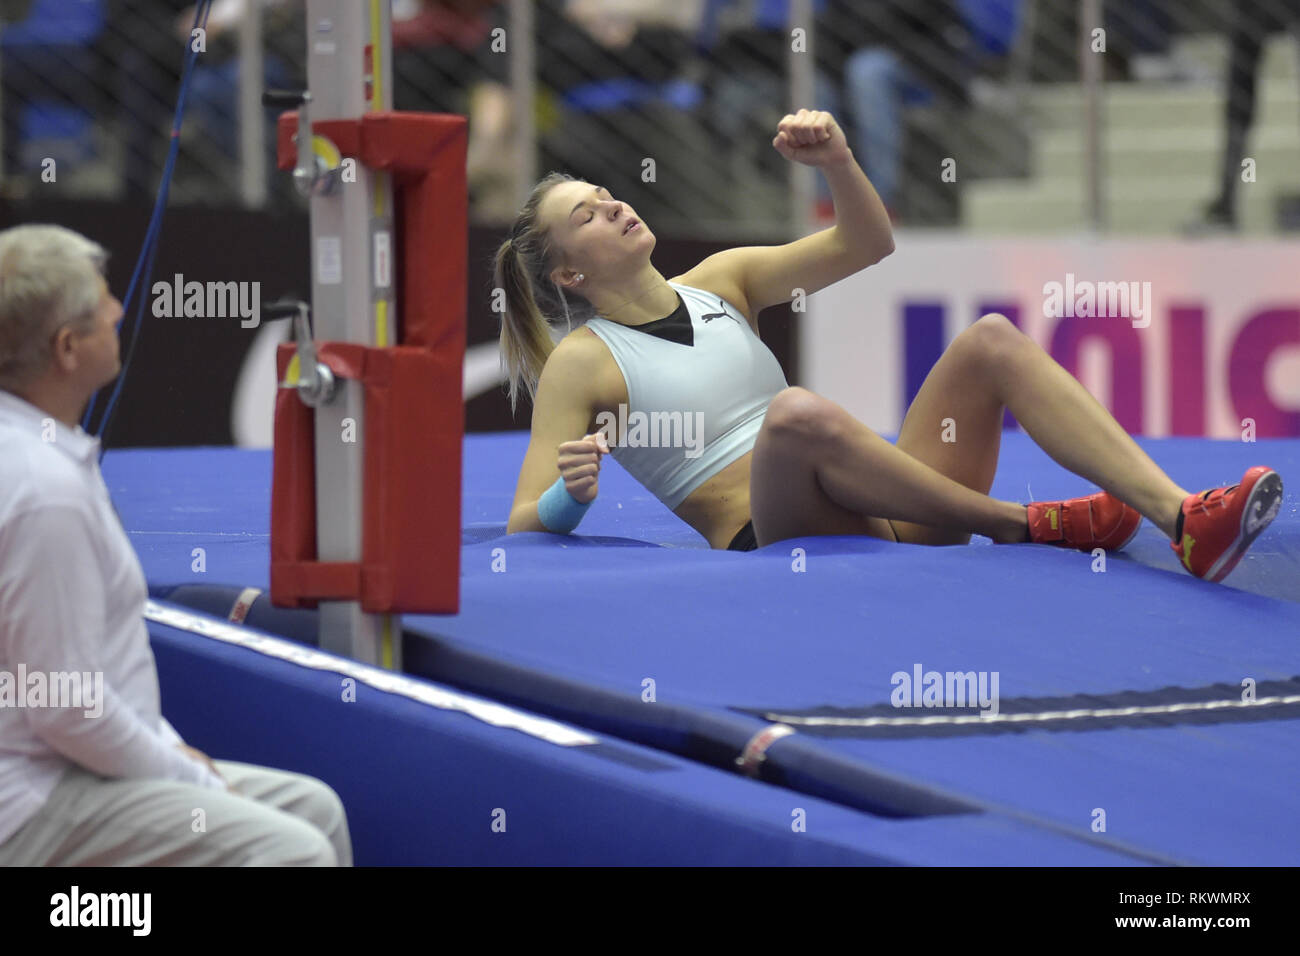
x,y
533,302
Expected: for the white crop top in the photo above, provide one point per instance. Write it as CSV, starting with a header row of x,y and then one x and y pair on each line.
x,y
698,383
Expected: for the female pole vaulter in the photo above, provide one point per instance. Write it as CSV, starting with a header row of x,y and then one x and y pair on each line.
x,y
775,462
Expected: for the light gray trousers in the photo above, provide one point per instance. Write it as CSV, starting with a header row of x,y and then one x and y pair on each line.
x,y
275,818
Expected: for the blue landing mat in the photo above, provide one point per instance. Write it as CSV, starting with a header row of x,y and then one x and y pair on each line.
x,y
637,596
421,781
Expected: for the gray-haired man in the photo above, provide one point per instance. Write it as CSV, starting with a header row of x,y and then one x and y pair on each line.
x,y
104,781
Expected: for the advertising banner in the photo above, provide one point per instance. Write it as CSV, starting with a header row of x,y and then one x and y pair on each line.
x,y
1174,337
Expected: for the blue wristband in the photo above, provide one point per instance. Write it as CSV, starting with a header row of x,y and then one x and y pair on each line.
x,y
558,510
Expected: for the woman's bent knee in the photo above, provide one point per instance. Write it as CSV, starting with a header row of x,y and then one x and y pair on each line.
x,y
800,414
992,340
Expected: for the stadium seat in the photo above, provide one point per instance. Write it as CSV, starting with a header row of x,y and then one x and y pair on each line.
x,y
993,23
65,32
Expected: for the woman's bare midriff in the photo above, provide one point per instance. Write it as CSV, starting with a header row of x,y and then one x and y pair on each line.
x,y
720,507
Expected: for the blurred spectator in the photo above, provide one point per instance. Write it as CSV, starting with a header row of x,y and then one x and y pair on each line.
x,y
873,59
1251,21
55,63
593,40
442,49
1138,35
444,62
748,46
212,110
604,67
888,56
148,59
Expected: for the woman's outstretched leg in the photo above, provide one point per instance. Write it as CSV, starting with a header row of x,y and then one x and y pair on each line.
x,y
817,470
1065,420
993,364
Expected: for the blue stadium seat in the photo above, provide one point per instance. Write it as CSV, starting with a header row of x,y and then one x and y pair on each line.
x,y
623,92
67,29
768,15
63,133
56,23
993,23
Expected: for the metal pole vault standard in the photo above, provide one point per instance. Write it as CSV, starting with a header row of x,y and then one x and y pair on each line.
x,y
370,416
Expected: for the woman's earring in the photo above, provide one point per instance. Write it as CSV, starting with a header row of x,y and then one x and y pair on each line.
x,y
581,277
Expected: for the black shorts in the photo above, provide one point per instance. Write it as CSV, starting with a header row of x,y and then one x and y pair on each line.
x,y
744,539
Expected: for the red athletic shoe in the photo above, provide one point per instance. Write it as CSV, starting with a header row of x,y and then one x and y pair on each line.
x,y
1097,521
1220,524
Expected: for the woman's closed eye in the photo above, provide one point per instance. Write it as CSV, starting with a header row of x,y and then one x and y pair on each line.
x,y
593,215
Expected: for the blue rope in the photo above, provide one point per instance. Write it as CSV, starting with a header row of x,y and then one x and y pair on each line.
x,y
148,252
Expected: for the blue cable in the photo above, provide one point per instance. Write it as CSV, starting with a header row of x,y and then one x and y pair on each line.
x,y
148,252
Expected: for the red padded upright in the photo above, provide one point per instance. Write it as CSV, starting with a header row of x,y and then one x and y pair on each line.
x,y
414,422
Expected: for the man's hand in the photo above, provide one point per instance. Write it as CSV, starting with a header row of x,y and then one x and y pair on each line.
x,y
204,759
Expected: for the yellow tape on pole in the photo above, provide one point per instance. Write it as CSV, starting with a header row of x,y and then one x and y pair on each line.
x,y
376,49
